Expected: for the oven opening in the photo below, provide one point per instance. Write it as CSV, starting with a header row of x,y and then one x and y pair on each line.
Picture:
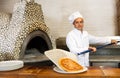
x,y
35,49
37,46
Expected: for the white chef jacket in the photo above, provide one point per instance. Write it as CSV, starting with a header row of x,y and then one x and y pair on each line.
x,y
78,41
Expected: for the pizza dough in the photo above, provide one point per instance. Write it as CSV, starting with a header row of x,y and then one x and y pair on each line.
x,y
69,65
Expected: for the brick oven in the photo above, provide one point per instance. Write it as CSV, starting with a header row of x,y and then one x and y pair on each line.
x,y
26,36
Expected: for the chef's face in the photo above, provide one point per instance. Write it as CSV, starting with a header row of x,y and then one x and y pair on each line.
x,y
79,23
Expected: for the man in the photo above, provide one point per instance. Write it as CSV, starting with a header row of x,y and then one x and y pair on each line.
x,y
78,40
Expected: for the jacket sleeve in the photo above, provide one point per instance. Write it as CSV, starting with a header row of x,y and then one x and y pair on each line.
x,y
72,45
99,40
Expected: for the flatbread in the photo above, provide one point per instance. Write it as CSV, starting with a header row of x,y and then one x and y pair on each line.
x,y
69,65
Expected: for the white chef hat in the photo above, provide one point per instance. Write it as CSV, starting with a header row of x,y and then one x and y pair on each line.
x,y
73,16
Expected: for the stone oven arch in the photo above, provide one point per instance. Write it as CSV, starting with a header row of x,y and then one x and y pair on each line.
x,y
36,40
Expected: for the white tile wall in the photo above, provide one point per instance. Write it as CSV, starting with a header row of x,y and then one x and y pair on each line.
x,y
100,15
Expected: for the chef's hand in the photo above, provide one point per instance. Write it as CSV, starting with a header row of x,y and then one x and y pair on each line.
x,y
92,48
114,41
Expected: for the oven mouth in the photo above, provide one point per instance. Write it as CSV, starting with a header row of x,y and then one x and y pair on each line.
x,y
37,44
34,47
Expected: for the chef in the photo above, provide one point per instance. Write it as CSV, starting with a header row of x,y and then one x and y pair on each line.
x,y
78,39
